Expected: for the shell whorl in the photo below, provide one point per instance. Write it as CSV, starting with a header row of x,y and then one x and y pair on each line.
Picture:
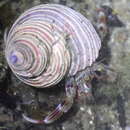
x,y
48,42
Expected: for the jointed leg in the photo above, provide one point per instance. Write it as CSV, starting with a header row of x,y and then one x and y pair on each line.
x,y
83,90
61,108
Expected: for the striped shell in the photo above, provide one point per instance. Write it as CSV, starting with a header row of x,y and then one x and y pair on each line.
x,y
48,42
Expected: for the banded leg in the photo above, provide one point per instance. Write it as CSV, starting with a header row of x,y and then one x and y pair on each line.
x,y
61,108
84,89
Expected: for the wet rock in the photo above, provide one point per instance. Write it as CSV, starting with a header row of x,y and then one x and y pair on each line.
x,y
112,99
56,1
63,2
70,4
7,100
5,118
3,67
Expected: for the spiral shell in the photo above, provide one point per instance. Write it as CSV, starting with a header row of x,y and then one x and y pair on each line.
x,y
48,42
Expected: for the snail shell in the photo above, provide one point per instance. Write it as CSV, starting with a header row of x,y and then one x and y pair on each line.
x,y
48,42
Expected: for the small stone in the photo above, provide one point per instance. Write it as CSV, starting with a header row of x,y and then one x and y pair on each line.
x,y
91,122
89,111
82,108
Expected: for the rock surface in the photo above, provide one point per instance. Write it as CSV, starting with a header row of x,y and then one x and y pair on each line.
x,y
110,109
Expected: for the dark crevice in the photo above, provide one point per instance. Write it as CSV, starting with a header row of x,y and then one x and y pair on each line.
x,y
121,111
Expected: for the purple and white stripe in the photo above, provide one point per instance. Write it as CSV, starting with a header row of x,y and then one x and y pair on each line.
x,y
37,49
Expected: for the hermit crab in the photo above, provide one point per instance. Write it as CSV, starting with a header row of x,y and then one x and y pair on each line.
x,y
50,42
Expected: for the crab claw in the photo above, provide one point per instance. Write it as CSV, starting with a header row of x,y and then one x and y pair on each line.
x,y
60,109
32,120
54,115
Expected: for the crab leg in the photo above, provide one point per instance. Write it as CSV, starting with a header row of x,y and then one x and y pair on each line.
x,y
84,89
61,108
